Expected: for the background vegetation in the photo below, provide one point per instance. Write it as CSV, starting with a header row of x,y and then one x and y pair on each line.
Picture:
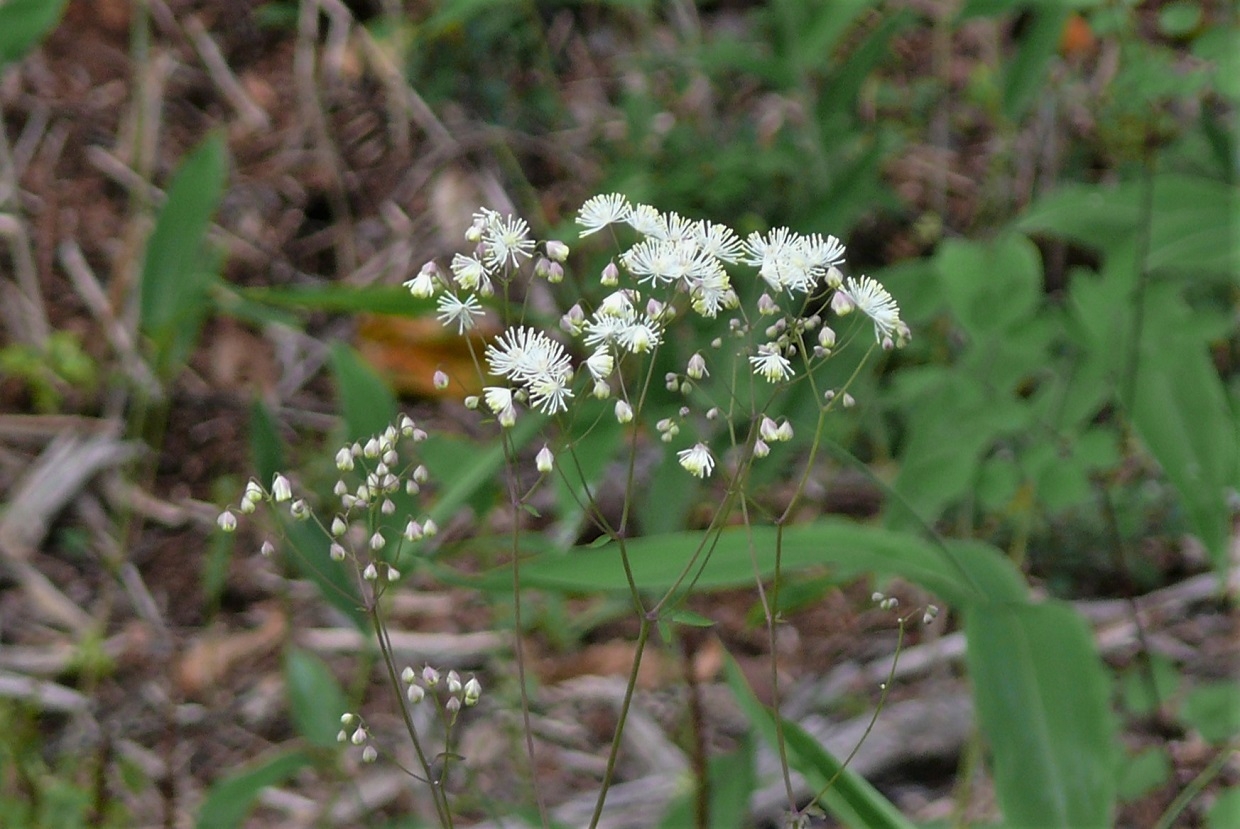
x,y
207,209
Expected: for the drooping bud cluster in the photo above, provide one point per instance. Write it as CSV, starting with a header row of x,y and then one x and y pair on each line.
x,y
374,474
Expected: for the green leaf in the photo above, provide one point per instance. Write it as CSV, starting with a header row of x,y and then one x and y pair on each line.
x,y
315,699
960,572
365,400
1183,416
176,277
24,23
1142,773
1042,700
992,285
1214,711
461,477
230,799
732,780
852,800
1026,72
338,299
266,447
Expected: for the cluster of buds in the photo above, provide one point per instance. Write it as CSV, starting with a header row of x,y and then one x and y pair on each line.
x,y
431,681
353,730
381,474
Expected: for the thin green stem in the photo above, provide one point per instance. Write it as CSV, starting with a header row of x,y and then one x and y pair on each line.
x,y
643,635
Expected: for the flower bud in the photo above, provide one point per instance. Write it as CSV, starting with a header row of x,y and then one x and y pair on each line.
x,y
370,754
624,412
611,275
440,380
338,526
377,541
557,250
696,369
473,691
344,459
227,521
267,549
545,461
371,573
281,490
430,676
336,552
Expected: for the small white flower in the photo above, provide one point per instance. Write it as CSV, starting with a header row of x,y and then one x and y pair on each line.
x,y
371,573
602,210
429,527
430,676
227,521
557,251
506,240
454,682
610,277
600,363
440,380
696,369
336,552
377,541
873,300
423,285
472,691
697,460
639,336
770,364
545,461
281,490
338,526
370,754
415,693
267,549
624,412
344,460
463,312
647,221
253,492
470,273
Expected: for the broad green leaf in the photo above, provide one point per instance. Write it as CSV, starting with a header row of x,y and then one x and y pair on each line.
x,y
374,299
266,447
959,573
990,285
1041,695
1183,416
365,400
315,699
1141,773
229,800
460,479
731,777
1025,77
178,271
24,23
852,800
309,547
1213,710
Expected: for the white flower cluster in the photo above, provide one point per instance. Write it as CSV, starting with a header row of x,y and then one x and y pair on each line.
x,y
676,265
430,680
381,473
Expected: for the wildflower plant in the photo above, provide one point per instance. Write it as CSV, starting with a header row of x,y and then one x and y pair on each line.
x,y
772,303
